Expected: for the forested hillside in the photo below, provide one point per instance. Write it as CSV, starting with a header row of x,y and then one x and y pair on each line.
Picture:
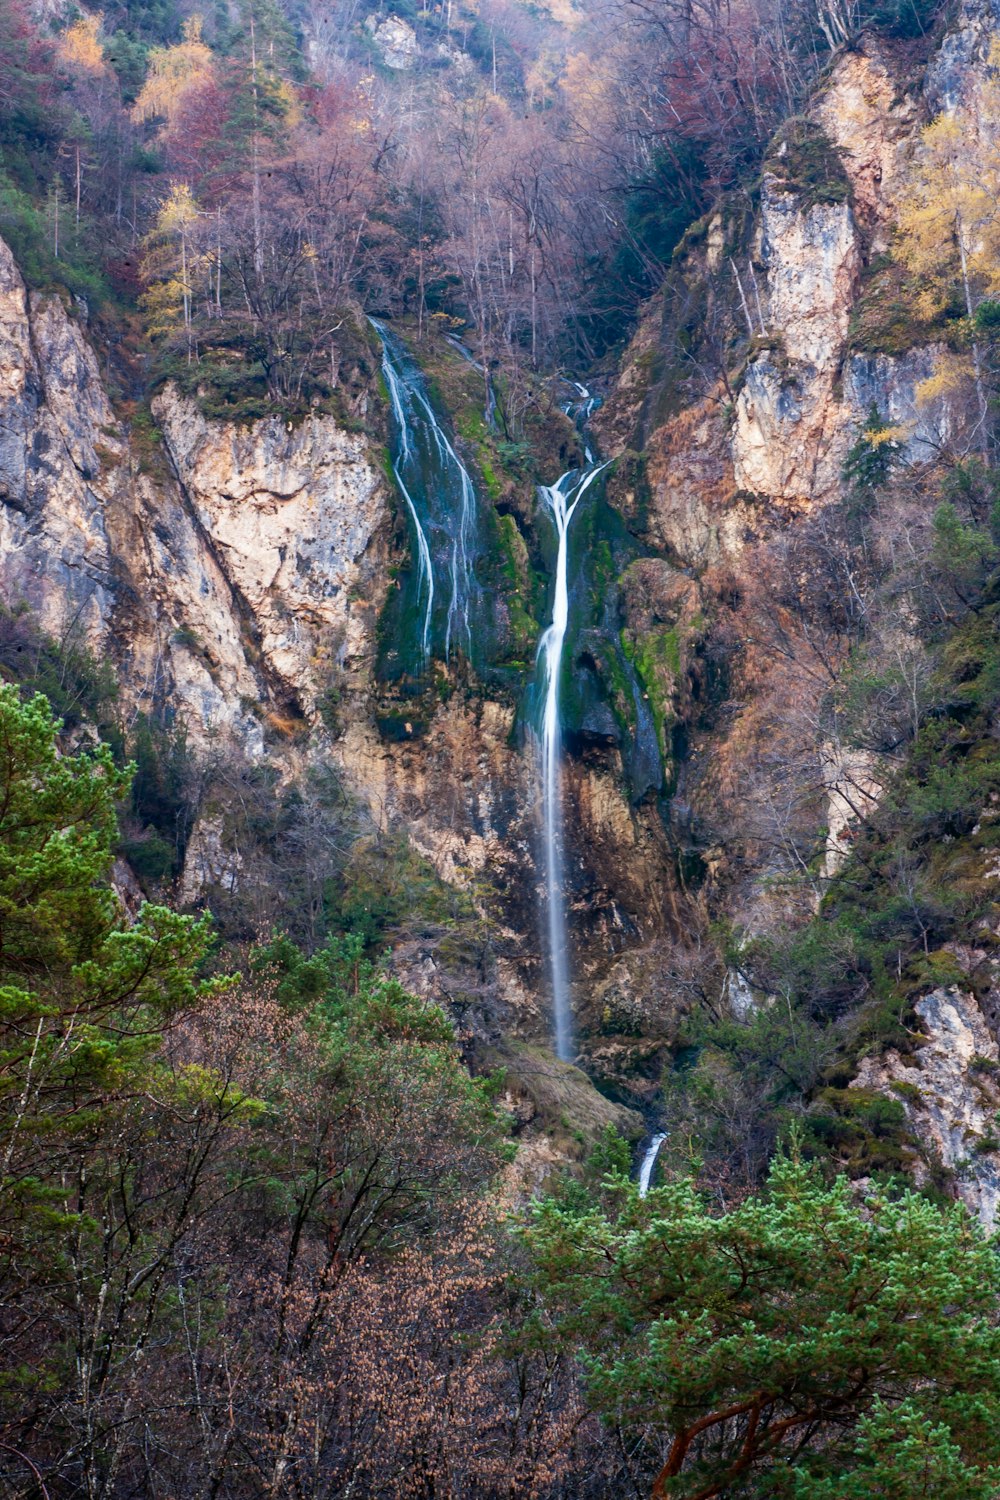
x,y
499,766
231,183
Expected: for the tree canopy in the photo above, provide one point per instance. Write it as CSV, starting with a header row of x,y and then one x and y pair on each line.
x,y
775,1348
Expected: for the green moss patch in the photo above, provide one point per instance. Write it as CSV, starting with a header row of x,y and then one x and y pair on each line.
x,y
803,160
885,321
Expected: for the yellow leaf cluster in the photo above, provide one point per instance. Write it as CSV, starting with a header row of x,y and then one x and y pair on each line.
x,y
171,262
290,102
178,211
80,45
951,374
883,435
542,77
162,306
948,224
173,73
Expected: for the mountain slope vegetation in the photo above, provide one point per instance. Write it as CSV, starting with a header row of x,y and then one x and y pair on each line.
x,y
298,1200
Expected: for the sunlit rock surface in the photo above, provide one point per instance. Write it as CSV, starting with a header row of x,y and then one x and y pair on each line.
x,y
949,1090
296,516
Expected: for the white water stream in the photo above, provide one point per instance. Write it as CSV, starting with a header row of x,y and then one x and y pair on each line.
x,y
439,495
562,499
648,1163
400,460
461,560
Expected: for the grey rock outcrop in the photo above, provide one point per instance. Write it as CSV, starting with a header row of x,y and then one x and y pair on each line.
x,y
950,1093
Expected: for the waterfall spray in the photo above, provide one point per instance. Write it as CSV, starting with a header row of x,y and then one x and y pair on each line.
x,y
562,499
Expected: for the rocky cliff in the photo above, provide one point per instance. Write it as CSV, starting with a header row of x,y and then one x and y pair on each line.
x,y
183,555
236,575
781,327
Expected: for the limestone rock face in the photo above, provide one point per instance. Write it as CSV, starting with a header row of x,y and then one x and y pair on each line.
x,y
854,783
864,114
813,261
176,630
58,453
729,462
950,1094
247,585
956,71
695,514
461,789
396,41
468,794
229,588
790,434
296,518
891,382
208,861
99,548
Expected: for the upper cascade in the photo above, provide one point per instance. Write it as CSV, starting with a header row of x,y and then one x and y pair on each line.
x,y
441,502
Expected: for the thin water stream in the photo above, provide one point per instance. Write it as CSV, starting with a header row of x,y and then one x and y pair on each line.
x,y
441,501
562,500
649,1162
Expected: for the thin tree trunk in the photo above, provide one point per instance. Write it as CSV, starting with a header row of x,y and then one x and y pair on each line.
x,y
218,260
977,363
258,248
743,300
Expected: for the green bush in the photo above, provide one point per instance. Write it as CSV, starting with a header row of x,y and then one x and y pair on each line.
x,y
79,687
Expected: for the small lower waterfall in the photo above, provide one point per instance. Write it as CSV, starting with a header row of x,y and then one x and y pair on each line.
x,y
562,499
649,1162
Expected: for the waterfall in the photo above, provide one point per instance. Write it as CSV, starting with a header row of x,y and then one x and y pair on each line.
x,y
401,459
461,559
648,1163
562,499
490,409
439,496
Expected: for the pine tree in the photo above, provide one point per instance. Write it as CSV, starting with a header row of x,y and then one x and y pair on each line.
x,y
83,993
874,455
768,1350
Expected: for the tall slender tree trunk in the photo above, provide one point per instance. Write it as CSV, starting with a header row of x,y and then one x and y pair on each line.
x,y
534,310
258,242
185,293
218,260
977,361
